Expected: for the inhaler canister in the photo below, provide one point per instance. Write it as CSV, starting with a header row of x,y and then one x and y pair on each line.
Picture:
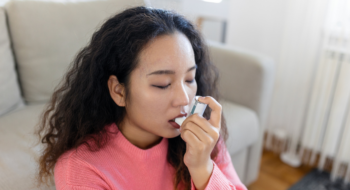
x,y
195,107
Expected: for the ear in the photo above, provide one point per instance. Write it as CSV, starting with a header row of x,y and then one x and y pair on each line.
x,y
116,90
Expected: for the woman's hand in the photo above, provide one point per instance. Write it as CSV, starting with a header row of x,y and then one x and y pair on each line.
x,y
201,136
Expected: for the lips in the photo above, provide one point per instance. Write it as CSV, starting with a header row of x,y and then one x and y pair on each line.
x,y
174,124
181,115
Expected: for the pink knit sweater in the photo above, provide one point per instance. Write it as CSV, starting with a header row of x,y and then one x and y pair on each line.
x,y
120,165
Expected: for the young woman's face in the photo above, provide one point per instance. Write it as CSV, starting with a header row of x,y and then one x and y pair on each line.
x,y
162,86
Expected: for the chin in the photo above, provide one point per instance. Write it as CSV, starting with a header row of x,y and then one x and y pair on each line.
x,y
173,134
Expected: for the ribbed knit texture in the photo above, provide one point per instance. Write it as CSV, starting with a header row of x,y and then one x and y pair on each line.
x,y
120,165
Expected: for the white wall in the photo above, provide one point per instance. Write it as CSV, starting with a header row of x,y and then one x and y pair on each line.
x,y
257,25
214,13
290,32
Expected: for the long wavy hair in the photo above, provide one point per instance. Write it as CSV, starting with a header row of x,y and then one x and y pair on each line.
x,y
81,105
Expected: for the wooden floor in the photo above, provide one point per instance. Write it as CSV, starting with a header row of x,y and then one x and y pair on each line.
x,y
276,175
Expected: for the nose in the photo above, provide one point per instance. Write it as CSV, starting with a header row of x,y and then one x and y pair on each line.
x,y
181,96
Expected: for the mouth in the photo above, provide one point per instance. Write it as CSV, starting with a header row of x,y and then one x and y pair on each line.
x,y
173,123
180,115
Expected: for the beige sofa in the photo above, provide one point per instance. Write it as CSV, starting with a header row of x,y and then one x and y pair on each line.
x,y
38,41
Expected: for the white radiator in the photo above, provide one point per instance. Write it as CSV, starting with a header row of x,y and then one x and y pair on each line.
x,y
323,138
327,127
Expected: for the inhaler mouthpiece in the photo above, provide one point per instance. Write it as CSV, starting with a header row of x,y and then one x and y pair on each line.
x,y
180,120
195,107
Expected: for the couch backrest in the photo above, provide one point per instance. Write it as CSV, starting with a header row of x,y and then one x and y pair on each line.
x,y
10,97
46,36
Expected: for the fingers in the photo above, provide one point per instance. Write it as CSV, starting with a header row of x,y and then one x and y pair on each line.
x,y
215,116
202,124
195,133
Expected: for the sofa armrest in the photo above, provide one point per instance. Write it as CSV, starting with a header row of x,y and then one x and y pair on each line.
x,y
246,78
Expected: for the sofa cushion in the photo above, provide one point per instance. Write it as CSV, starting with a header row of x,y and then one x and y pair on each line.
x,y
18,149
46,42
10,96
242,125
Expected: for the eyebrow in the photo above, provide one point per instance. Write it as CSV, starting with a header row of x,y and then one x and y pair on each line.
x,y
161,72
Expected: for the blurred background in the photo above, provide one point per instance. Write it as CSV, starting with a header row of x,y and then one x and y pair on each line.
x,y
308,121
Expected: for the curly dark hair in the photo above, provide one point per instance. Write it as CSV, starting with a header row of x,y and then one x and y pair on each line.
x,y
81,105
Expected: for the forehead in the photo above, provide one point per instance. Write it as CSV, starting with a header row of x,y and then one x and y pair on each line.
x,y
173,51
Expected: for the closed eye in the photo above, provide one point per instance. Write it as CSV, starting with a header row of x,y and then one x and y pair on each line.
x,y
162,87
191,81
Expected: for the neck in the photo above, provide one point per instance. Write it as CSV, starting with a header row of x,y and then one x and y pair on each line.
x,y
138,136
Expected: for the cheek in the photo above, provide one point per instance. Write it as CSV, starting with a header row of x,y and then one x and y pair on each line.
x,y
193,90
147,104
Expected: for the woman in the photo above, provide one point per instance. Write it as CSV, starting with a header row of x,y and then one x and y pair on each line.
x,y
110,125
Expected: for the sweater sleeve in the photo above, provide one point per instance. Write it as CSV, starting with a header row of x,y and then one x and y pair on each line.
x,y
71,173
223,175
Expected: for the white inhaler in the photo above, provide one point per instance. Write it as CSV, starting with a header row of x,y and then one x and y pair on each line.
x,y
195,107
